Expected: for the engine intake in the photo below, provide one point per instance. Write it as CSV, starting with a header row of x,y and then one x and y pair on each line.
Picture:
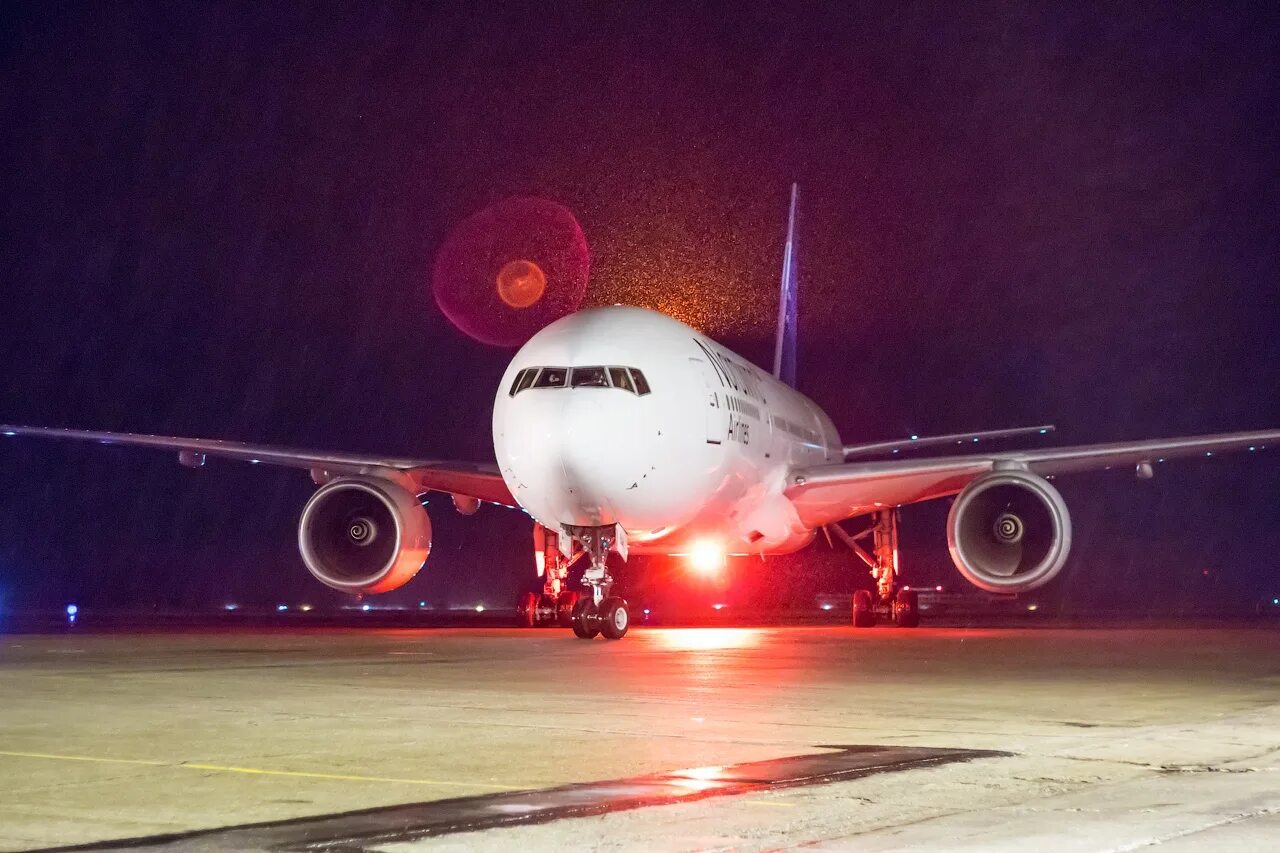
x,y
364,535
1009,531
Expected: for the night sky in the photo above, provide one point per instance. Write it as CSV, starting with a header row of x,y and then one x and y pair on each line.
x,y
220,220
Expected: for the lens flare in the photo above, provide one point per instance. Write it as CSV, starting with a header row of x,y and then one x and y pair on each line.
x,y
507,271
521,283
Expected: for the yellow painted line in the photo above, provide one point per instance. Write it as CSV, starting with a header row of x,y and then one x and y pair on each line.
x,y
767,803
258,771
346,778
84,758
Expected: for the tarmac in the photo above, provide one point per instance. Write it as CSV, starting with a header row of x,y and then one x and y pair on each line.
x,y
829,738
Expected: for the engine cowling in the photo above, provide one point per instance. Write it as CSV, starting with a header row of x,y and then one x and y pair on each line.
x,y
364,535
1009,531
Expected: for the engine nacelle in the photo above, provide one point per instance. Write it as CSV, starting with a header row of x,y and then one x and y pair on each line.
x,y
364,535
1009,531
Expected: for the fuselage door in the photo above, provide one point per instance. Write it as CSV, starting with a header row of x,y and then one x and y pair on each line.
x,y
714,402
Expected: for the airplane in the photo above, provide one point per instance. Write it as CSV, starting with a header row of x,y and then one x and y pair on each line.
x,y
621,430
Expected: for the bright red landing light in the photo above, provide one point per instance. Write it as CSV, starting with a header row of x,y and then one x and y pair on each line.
x,y
706,557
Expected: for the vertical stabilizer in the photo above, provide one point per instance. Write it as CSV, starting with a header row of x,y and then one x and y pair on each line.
x,y
784,349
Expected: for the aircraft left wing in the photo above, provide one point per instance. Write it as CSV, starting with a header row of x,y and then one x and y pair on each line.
x,y
465,479
825,494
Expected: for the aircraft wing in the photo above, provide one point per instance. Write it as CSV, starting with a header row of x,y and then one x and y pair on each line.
x,y
482,482
917,442
825,494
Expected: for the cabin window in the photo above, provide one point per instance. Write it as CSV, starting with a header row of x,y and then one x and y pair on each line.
x,y
589,377
551,377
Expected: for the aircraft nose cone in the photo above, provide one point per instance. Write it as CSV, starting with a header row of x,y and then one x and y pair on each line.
x,y
589,456
560,448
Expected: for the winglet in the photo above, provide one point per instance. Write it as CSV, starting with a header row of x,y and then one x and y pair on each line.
x,y
784,351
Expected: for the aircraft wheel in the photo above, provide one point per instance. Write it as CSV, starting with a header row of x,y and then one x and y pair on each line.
x,y
527,610
864,613
564,608
585,623
614,618
547,613
906,609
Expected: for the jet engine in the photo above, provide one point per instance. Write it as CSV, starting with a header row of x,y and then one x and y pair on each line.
x,y
364,535
1009,531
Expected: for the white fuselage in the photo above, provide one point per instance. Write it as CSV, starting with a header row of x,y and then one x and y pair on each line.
x,y
704,454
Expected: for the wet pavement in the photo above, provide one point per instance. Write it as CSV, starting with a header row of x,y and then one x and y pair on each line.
x,y
1105,738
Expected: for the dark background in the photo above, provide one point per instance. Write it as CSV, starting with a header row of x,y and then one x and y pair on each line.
x,y
219,220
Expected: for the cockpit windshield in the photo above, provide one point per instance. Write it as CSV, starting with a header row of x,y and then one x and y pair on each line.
x,y
621,379
551,377
588,377
625,378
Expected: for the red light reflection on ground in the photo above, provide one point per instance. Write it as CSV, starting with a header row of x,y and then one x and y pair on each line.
x,y
705,639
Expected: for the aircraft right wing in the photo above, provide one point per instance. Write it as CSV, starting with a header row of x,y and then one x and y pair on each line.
x,y
464,479
825,494
917,442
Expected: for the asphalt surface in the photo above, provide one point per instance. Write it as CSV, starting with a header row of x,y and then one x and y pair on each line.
x,y
1053,739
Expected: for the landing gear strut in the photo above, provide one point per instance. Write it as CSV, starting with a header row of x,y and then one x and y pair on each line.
x,y
598,612
889,600
554,606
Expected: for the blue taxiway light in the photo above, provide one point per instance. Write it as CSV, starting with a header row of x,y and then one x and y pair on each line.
x,y
72,610
366,607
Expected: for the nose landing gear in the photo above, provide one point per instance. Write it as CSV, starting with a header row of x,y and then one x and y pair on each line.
x,y
598,612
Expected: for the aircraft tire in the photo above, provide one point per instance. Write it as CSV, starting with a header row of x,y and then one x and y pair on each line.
x,y
547,604
614,618
564,608
906,609
527,610
864,614
585,624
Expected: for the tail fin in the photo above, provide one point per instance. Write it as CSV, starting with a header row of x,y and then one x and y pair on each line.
x,y
784,350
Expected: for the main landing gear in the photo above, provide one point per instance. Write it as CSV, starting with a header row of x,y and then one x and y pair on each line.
x,y
592,614
889,600
554,606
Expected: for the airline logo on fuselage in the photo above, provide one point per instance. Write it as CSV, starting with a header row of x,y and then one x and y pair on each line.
x,y
733,375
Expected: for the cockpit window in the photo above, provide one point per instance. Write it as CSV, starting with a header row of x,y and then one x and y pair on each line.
x,y
588,377
621,379
551,377
523,380
624,378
